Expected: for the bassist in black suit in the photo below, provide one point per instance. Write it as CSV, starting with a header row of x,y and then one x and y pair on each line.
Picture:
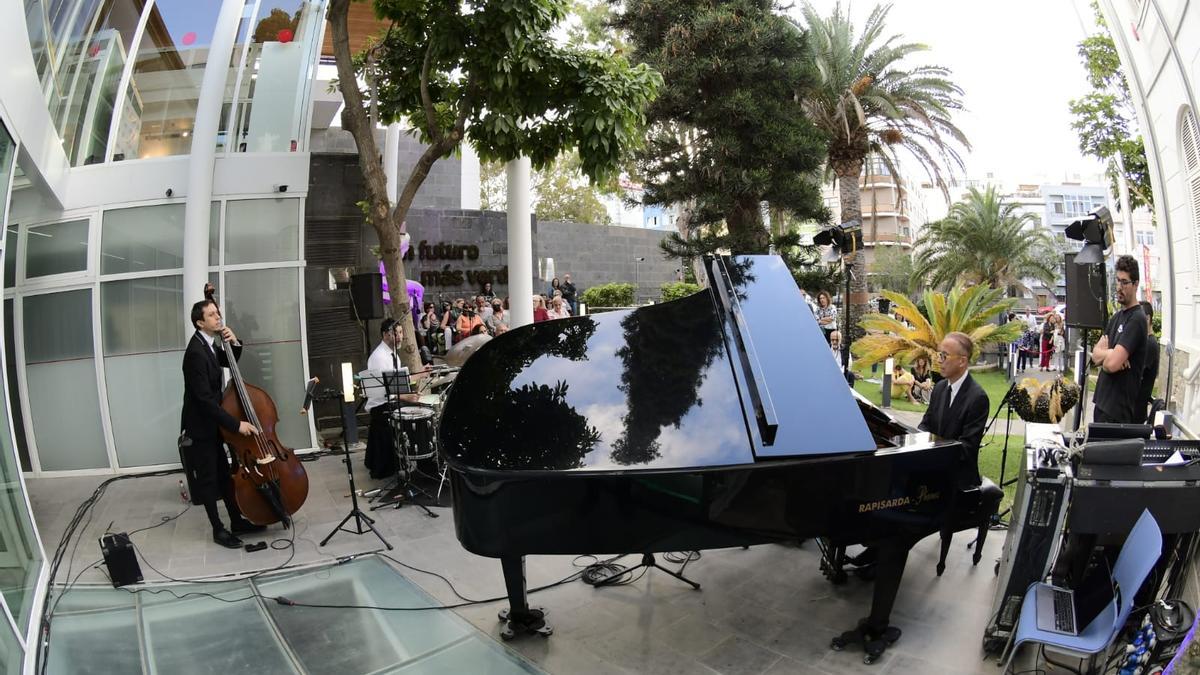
x,y
206,465
958,406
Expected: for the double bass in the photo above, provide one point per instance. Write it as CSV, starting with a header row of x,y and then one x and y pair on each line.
x,y
269,481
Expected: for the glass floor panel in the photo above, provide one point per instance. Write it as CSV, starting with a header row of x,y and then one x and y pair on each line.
x,y
98,629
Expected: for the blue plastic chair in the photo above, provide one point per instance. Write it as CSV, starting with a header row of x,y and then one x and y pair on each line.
x,y
1138,555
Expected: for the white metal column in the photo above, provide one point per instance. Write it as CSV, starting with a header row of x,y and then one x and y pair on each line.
x,y
202,161
520,244
391,160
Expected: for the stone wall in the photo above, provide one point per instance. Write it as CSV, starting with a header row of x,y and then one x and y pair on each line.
x,y
442,189
453,252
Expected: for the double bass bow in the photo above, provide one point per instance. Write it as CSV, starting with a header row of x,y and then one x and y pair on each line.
x,y
269,481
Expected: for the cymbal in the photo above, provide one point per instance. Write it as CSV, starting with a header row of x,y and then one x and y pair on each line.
x,y
460,352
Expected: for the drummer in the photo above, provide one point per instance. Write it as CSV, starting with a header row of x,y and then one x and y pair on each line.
x,y
381,448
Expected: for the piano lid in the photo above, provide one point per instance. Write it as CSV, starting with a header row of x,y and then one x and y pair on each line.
x,y
658,387
794,394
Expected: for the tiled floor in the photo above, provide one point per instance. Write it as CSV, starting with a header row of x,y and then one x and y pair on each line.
x,y
762,610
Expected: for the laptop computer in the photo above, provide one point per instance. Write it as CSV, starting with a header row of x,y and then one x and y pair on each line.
x,y
1056,610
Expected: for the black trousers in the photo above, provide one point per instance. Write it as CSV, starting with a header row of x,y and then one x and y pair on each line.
x,y
380,457
208,473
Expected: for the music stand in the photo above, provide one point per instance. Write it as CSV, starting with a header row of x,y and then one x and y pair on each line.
x,y
361,520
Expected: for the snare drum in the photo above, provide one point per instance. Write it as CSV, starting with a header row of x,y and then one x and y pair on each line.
x,y
416,433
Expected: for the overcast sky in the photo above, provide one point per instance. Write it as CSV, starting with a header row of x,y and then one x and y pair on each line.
x,y
1017,63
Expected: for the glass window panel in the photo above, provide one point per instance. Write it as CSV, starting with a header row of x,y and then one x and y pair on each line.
x,y
61,376
224,637
94,642
14,394
262,230
10,651
159,111
7,154
141,239
263,309
94,59
214,234
20,558
143,343
56,249
10,256
274,88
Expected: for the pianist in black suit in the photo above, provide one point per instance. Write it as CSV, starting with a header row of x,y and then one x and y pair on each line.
x,y
958,406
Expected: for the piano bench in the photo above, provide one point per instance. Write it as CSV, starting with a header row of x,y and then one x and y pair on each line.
x,y
974,509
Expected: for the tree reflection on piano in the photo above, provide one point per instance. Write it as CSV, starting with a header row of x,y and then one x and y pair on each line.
x,y
667,353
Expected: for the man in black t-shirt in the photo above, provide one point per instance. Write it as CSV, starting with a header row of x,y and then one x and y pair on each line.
x,y
1121,352
1150,369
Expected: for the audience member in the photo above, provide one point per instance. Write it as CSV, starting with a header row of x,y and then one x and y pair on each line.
x,y
497,321
569,293
826,314
902,382
558,308
467,323
539,309
923,380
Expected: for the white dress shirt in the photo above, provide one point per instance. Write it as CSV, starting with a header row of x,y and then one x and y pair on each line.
x,y
380,360
954,387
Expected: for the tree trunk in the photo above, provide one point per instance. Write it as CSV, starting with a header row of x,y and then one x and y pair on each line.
x,y
682,222
746,231
850,197
385,221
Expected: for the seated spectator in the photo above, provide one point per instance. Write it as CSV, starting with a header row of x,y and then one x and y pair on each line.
x,y
902,382
923,381
558,307
539,309
467,323
482,308
497,321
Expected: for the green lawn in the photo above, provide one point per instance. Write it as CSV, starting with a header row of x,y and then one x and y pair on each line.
x,y
992,381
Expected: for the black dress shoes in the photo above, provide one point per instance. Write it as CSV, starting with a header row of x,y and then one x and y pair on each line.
x,y
246,527
226,538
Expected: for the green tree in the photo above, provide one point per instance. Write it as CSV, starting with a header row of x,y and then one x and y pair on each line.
x,y
727,132
985,240
869,100
892,270
488,71
966,310
560,191
1105,118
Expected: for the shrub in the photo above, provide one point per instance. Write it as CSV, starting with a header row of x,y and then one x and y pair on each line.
x,y
608,295
674,290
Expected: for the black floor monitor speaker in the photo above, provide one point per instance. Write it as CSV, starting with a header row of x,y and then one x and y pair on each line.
x,y
366,296
120,559
1086,294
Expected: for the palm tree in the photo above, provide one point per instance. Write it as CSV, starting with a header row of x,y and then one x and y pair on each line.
x,y
966,310
985,240
867,101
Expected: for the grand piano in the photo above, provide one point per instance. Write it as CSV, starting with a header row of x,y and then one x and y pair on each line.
x,y
717,420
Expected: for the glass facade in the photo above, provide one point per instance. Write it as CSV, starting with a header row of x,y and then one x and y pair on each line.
x,y
122,77
21,558
125,382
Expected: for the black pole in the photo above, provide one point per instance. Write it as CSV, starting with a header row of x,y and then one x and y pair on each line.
x,y
846,336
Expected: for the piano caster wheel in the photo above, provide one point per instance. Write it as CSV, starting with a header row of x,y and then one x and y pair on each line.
x,y
839,578
996,569
976,558
533,622
941,567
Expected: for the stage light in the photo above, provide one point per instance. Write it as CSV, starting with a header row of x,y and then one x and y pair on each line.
x,y
1096,230
842,240
348,382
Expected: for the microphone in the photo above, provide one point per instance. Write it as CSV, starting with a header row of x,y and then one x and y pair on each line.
x,y
309,389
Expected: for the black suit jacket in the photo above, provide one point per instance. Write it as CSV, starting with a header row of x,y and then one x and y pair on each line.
x,y
963,422
203,418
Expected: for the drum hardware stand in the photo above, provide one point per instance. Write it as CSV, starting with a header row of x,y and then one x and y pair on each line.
x,y
404,491
361,520
648,562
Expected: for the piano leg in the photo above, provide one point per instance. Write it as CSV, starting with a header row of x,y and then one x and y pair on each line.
x,y
875,633
520,618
